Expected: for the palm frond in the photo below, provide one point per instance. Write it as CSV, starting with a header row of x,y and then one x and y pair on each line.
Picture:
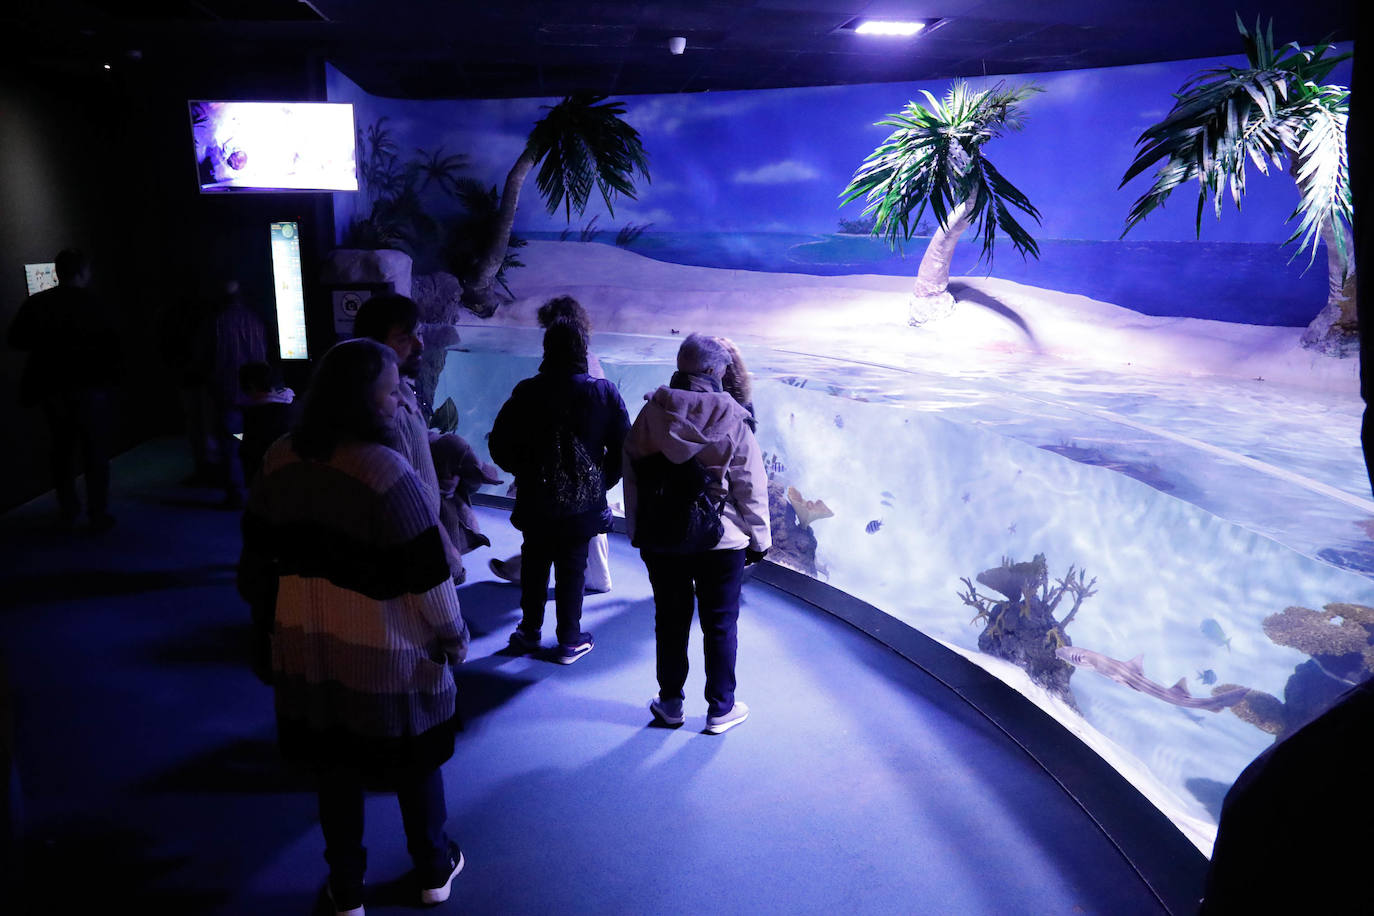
x,y
583,143
933,159
1274,110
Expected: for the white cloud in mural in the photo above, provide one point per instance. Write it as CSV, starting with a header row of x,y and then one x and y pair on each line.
x,y
667,114
787,171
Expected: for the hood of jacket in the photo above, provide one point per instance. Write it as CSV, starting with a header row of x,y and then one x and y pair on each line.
x,y
680,422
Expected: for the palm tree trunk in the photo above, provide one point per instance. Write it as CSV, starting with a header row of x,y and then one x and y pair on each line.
x,y
478,290
1340,291
1335,329
930,298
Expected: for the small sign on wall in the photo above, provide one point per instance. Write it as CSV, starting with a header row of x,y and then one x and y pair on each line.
x,y
348,299
40,277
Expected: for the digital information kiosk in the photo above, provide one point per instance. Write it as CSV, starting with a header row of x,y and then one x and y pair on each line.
x,y
290,290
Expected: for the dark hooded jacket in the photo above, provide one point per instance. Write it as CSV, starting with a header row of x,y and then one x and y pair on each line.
x,y
561,396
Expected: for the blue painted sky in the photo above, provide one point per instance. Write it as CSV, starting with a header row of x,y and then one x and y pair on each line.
x,y
777,160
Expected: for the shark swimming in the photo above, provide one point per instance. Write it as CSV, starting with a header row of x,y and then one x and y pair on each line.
x,y
1132,675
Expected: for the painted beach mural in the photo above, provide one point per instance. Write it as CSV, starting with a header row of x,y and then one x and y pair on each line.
x,y
1111,472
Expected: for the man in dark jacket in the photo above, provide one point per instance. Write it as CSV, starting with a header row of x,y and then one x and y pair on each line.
x,y
560,434
73,346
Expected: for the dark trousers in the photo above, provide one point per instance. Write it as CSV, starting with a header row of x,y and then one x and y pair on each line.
x,y
423,813
711,579
567,557
223,419
79,420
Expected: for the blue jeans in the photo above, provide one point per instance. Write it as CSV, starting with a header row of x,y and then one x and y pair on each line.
x,y
568,559
711,579
423,814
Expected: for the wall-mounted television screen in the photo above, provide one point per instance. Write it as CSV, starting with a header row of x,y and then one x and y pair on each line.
x,y
274,146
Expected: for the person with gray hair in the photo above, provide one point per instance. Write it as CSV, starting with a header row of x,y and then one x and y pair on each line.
x,y
693,419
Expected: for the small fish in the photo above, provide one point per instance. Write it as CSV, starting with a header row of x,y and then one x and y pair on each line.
x,y
839,422
1207,676
886,495
968,496
1213,631
674,330
873,526
1011,529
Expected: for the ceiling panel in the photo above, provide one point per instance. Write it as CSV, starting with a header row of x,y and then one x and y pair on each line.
x,y
406,48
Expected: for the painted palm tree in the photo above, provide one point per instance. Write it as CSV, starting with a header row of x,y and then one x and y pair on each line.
x,y
1275,109
583,143
934,158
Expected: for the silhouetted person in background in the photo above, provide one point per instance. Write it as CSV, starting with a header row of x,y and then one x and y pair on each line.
x,y
178,326
266,409
232,336
72,340
560,433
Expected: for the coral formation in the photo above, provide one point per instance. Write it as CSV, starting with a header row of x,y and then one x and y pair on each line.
x,y
1340,640
1023,629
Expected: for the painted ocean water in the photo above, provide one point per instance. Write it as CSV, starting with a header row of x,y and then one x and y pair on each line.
x,y
1201,512
1249,283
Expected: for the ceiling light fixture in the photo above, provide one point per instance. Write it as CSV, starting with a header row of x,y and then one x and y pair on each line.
x,y
888,28
677,45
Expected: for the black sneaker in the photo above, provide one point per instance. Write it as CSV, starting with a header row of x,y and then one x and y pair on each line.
x,y
347,900
566,655
436,887
523,642
667,713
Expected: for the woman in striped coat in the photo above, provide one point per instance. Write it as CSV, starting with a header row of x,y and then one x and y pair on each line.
x,y
344,566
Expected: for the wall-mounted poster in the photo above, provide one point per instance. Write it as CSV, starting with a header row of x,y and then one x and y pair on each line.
x,y
39,277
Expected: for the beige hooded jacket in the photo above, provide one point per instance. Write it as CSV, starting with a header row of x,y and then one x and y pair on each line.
x,y
708,426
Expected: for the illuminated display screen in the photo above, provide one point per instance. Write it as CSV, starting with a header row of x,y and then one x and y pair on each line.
x,y
289,289
39,277
274,146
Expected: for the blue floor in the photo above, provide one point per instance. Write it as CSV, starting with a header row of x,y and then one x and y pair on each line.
x,y
148,773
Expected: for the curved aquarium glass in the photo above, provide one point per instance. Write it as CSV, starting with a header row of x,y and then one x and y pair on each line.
x,y
1178,571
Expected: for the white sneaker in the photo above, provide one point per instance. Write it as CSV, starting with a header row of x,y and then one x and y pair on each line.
x,y
716,725
439,893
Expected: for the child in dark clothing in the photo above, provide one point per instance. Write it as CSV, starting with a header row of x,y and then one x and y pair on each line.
x,y
266,417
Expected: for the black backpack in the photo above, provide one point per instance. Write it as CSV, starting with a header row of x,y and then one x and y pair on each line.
x,y
565,480
674,513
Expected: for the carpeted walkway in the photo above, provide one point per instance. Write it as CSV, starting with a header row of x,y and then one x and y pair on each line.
x,y
148,774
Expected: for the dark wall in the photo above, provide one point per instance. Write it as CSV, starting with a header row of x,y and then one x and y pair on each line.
x,y
103,160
